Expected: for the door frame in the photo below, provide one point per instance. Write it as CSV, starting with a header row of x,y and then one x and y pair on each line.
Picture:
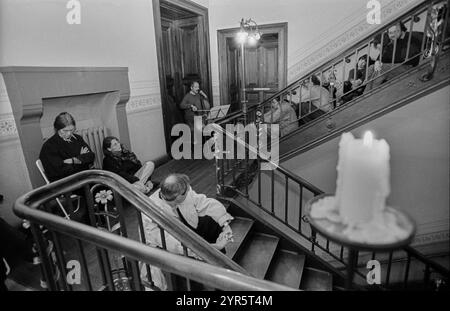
x,y
223,34
200,11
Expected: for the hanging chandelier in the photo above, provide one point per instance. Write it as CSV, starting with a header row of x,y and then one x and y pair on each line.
x,y
248,32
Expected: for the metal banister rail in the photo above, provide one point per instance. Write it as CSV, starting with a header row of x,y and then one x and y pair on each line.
x,y
204,273
27,206
289,178
37,197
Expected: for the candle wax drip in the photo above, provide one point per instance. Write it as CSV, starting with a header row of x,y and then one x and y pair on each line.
x,y
382,228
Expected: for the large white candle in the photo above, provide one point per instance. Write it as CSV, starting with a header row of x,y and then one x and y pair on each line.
x,y
363,177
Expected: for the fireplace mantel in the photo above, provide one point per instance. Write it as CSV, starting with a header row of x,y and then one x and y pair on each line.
x,y
28,87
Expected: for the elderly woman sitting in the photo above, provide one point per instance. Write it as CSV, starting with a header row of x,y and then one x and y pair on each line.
x,y
125,163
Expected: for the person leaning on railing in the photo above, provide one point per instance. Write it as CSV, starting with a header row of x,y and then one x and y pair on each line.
x,y
205,216
355,80
392,65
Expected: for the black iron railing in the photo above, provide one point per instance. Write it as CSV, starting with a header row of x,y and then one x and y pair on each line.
x,y
120,260
274,191
341,80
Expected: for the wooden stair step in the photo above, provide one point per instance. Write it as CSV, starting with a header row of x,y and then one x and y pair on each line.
x,y
287,268
257,254
316,280
241,227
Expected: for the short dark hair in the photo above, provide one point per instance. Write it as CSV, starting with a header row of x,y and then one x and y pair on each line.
x,y
173,185
107,143
363,57
315,80
192,83
402,26
62,120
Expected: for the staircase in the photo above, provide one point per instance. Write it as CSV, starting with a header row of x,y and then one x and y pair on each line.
x,y
271,197
271,242
264,257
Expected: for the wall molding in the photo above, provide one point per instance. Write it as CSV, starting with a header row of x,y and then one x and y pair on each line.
x,y
150,86
8,129
144,102
432,237
306,59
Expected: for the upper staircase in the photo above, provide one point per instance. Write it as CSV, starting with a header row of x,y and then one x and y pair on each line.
x,y
318,121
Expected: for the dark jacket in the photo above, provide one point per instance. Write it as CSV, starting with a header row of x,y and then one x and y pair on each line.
x,y
55,150
401,49
123,167
193,100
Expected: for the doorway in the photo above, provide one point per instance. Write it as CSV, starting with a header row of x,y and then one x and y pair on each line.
x,y
265,65
182,39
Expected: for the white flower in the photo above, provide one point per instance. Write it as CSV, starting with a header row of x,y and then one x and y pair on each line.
x,y
103,196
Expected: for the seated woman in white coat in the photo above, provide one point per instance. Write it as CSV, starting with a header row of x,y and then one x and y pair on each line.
x,y
205,216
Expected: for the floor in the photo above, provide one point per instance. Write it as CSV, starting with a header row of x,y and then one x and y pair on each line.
x,y
26,276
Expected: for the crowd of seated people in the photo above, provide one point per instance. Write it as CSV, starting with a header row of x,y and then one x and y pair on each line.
x,y
282,114
66,153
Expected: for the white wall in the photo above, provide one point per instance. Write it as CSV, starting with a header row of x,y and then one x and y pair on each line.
x,y
111,33
418,135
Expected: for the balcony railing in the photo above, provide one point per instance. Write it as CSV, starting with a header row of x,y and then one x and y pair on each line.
x,y
354,73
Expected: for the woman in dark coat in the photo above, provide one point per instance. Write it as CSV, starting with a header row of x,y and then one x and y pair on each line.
x,y
123,162
65,153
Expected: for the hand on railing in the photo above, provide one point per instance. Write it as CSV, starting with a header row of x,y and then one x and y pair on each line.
x,y
377,66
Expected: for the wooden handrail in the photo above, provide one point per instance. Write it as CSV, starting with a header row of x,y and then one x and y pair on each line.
x,y
205,273
421,257
35,198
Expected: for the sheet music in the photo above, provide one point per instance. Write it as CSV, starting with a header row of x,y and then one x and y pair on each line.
x,y
218,111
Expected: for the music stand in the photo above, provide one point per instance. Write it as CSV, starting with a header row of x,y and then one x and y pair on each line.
x,y
218,111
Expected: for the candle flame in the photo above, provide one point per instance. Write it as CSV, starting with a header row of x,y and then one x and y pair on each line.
x,y
368,139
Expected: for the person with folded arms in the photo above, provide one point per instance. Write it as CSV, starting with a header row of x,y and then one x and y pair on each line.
x,y
65,153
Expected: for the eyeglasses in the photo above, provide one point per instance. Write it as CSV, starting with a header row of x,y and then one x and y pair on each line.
x,y
161,196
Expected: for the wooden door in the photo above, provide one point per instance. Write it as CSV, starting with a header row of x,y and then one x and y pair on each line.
x,y
182,39
193,53
261,70
233,75
265,65
171,67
